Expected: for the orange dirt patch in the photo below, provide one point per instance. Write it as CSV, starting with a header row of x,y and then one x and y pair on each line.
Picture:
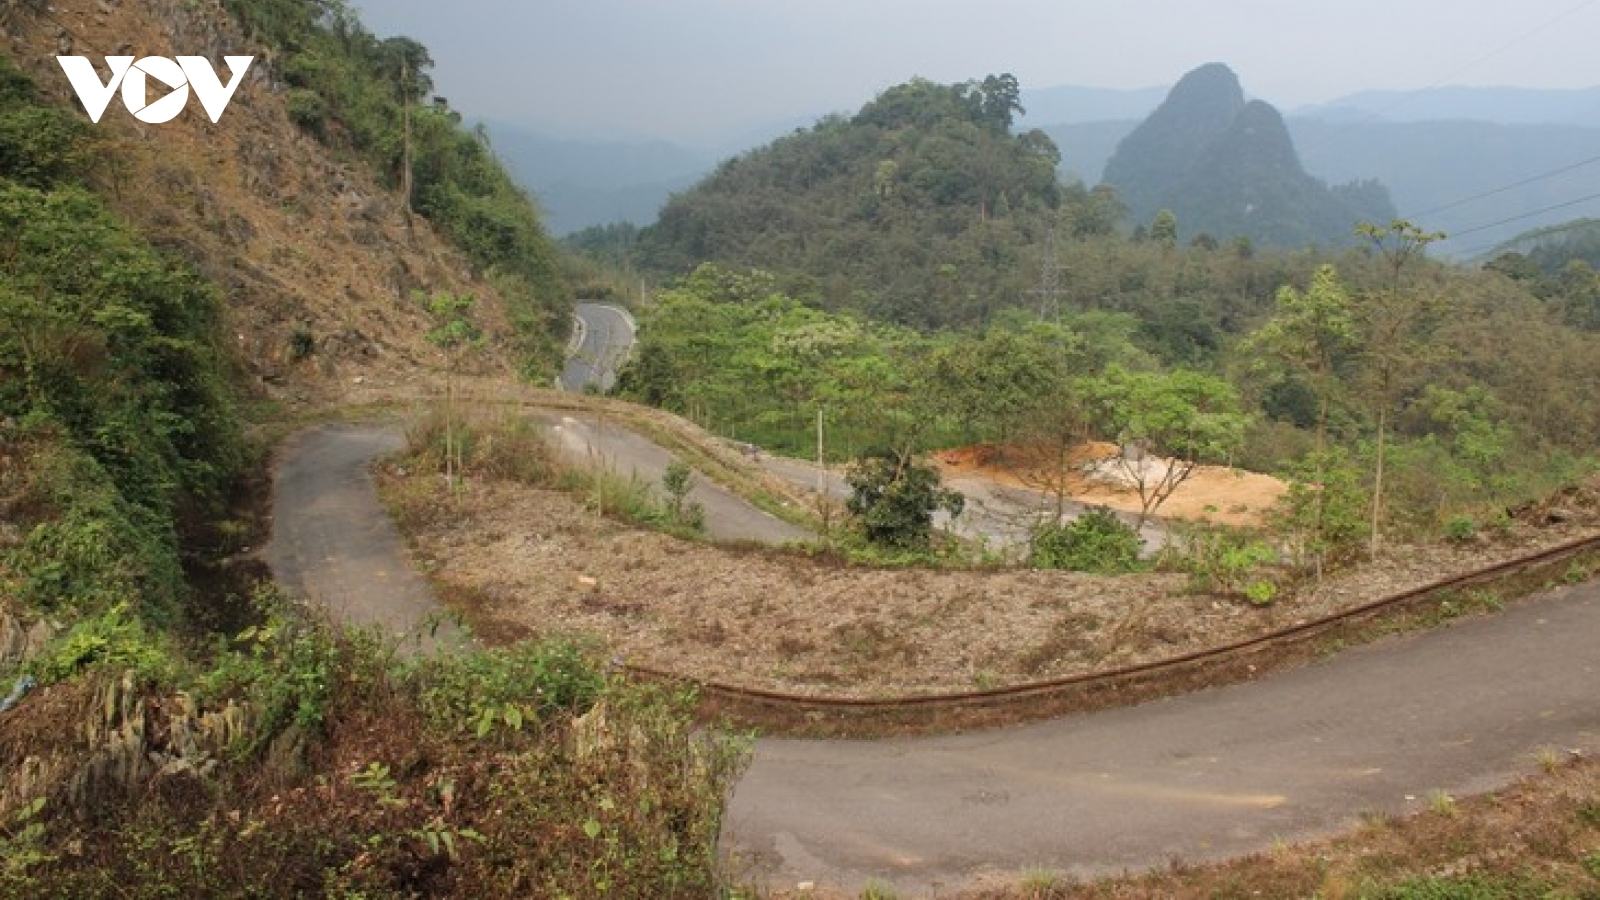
x,y
1210,493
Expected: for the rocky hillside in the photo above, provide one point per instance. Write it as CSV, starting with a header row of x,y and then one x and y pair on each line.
x,y
1228,168
320,264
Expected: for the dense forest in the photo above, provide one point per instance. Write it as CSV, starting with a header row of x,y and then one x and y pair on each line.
x,y
915,210
925,209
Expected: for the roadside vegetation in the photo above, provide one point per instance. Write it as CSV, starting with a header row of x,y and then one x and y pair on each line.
x,y
173,727
499,447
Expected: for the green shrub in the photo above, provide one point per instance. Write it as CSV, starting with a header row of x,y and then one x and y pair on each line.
x,y
1226,561
114,640
1460,529
682,512
1097,541
508,687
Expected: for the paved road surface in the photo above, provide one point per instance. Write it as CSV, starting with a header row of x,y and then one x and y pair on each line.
x,y
590,441
332,543
1218,773
605,336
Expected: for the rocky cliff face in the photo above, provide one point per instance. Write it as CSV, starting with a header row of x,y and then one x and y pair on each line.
x,y
317,262
1228,168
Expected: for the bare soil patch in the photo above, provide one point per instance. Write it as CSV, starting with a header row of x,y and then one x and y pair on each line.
x,y
1211,493
520,561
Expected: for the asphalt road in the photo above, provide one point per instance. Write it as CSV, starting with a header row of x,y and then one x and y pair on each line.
x,y
590,441
333,545
603,339
1214,774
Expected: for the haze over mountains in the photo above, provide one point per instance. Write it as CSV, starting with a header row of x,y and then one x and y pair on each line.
x,y
1432,149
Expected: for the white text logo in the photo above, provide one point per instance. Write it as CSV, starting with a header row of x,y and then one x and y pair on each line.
x,y
187,72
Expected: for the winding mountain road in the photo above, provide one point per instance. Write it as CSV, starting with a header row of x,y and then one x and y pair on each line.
x,y
1217,773
602,338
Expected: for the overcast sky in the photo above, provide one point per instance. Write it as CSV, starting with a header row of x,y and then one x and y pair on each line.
x,y
701,71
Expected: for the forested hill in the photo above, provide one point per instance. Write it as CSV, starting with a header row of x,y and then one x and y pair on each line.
x,y
913,210
1228,168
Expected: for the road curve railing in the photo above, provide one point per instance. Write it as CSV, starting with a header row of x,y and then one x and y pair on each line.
x,y
805,714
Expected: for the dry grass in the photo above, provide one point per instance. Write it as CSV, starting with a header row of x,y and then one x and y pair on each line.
x,y
525,559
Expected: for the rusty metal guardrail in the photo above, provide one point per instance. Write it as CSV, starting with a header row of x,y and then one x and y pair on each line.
x,y
923,713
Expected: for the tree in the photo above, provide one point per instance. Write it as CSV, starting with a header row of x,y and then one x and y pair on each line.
x,y
894,498
1311,331
1001,98
1186,416
1164,229
456,334
1389,320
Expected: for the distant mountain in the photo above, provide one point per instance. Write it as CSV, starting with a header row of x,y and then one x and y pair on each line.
x,y
1429,168
1552,248
1228,168
579,183
1507,106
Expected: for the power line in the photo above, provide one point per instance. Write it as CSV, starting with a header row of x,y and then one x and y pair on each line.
x,y
1527,215
1545,232
1500,190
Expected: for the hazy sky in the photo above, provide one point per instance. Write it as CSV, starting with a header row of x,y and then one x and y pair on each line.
x,y
706,70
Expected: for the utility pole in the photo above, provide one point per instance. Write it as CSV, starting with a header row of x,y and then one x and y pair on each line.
x,y
405,145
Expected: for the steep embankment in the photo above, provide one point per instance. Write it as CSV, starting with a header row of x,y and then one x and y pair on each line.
x,y
318,262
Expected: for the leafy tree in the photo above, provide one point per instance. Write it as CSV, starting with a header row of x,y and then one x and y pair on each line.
x,y
1311,332
1390,321
1164,229
894,498
1186,416
1000,98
